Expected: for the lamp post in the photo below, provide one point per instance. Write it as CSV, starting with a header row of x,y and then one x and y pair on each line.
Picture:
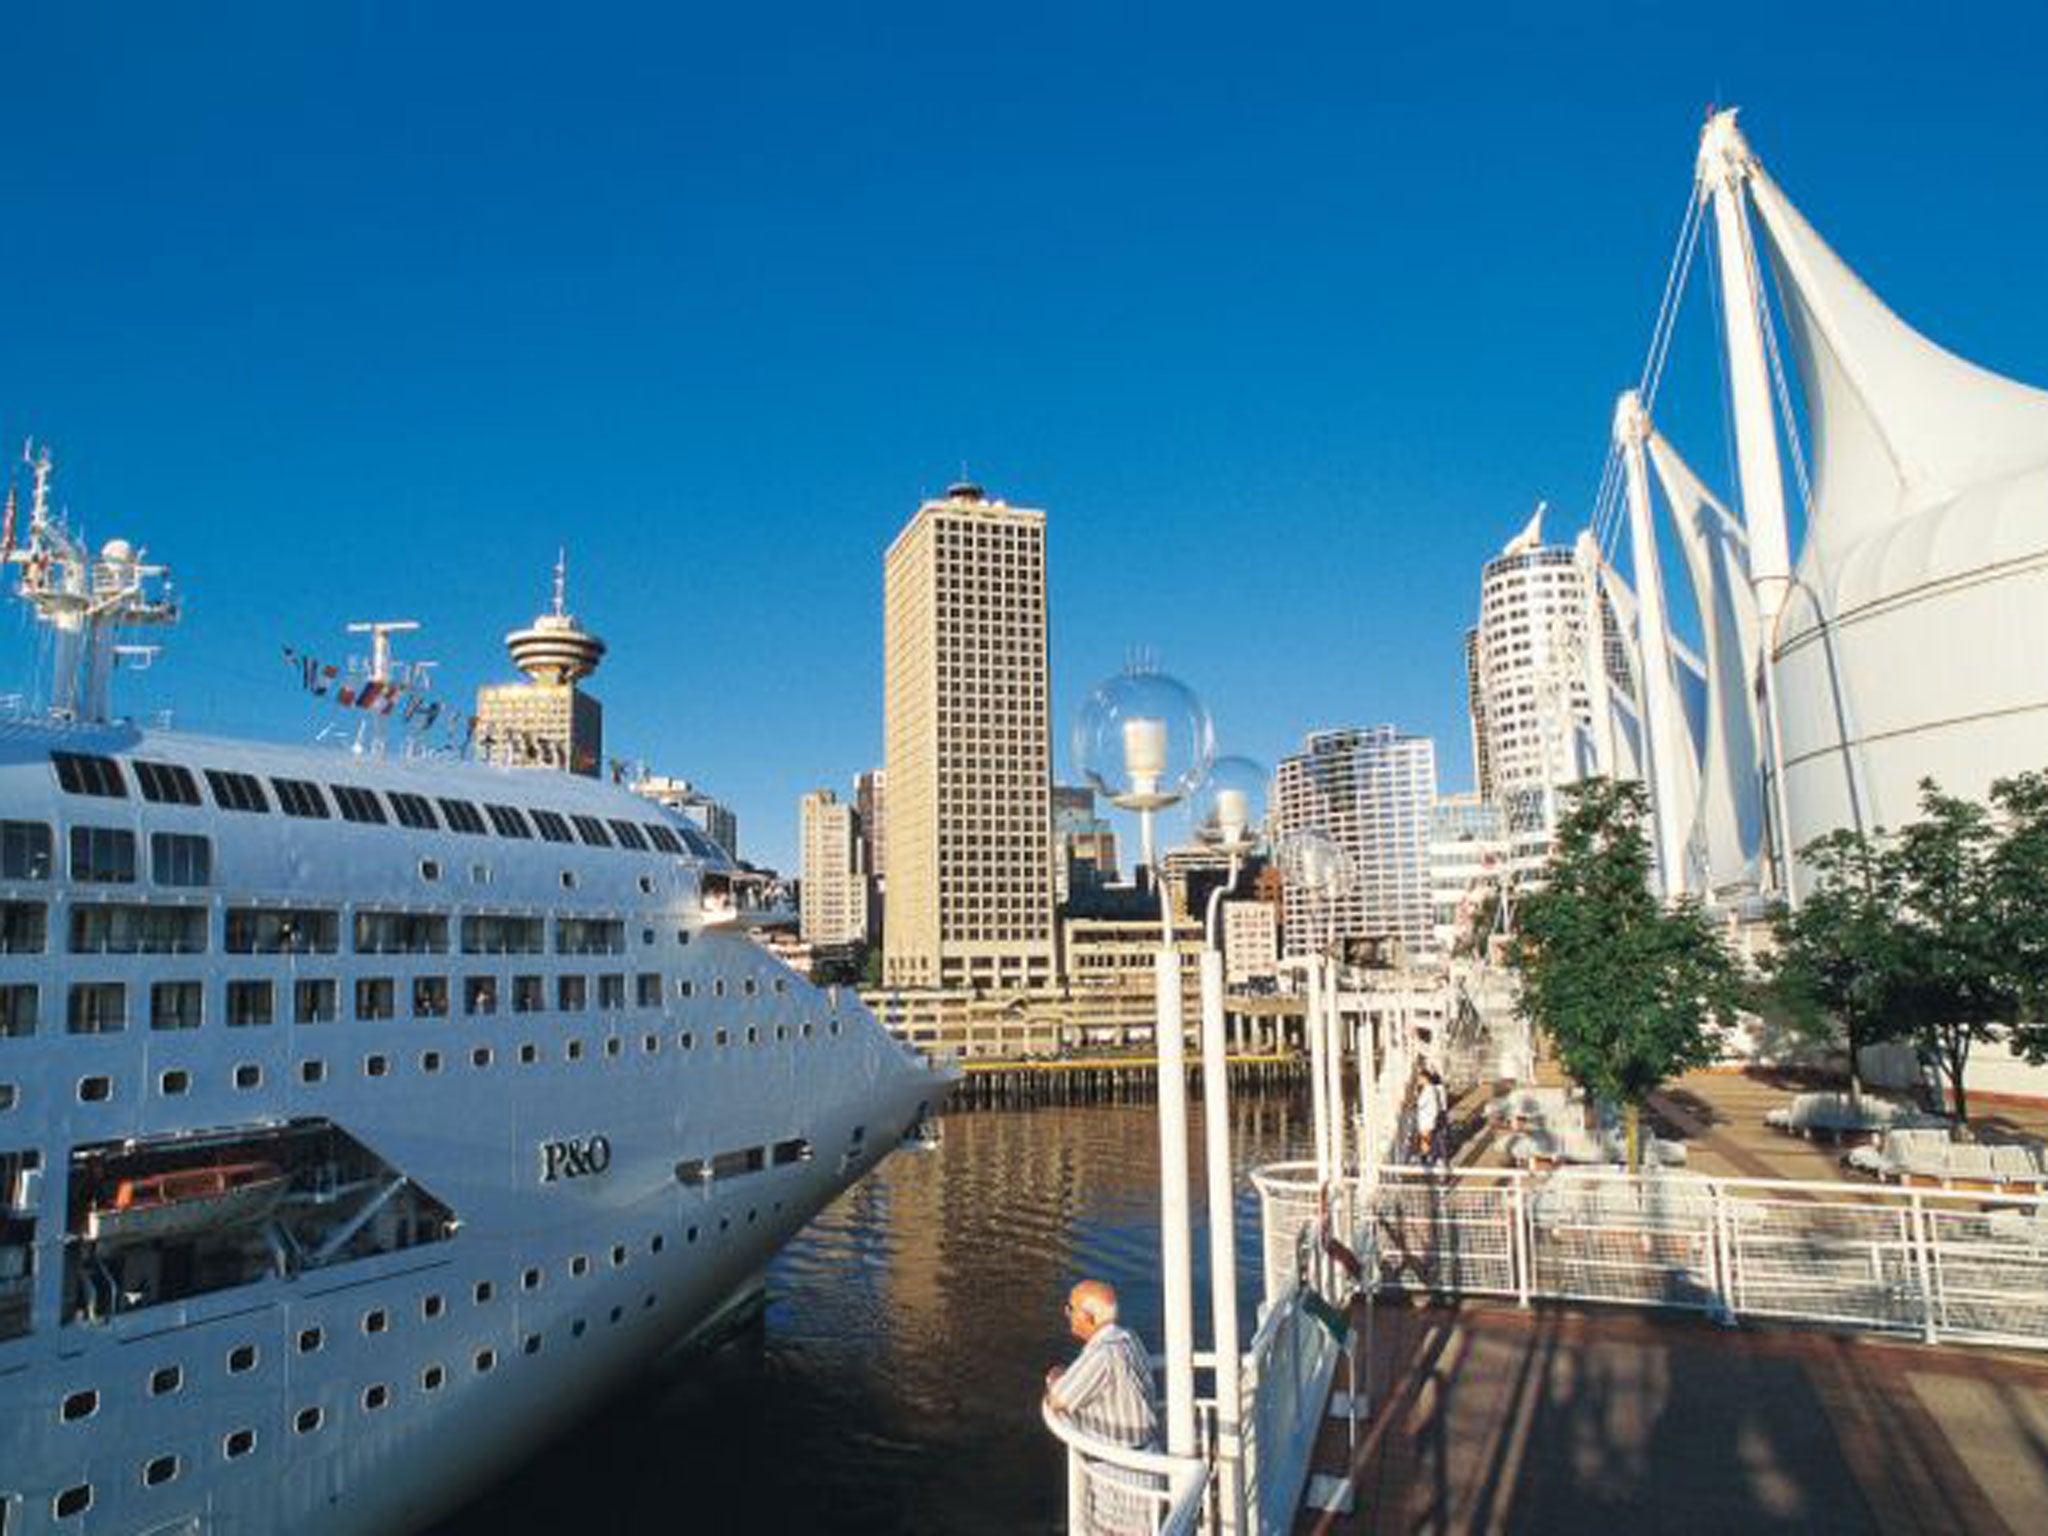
x,y
1144,742
1318,868
1229,815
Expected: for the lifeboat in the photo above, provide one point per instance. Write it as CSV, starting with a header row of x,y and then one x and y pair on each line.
x,y
182,1201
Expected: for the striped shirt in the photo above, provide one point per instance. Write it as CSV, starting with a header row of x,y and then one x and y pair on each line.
x,y
1107,1391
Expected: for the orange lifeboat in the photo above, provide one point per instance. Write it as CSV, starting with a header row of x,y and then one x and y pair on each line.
x,y
182,1201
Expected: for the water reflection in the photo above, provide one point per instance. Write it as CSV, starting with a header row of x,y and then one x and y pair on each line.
x,y
893,1385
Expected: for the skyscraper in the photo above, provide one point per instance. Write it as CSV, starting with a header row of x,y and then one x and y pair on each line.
x,y
834,902
967,730
1370,792
871,800
712,817
547,722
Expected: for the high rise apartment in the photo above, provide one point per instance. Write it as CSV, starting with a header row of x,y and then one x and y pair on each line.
x,y
967,728
833,906
1370,792
871,800
713,818
547,721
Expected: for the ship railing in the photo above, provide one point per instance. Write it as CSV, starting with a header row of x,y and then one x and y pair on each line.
x,y
1116,1490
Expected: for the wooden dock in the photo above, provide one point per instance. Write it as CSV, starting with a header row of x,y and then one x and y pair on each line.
x,y
996,1084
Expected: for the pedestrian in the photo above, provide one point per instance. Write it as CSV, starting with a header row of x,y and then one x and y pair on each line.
x,y
1440,1119
1428,1117
1107,1394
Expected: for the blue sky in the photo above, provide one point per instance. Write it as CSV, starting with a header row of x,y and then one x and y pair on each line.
x,y
1285,316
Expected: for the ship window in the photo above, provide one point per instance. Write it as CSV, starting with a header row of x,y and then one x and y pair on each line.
x,y
480,1057
296,797
83,773
529,1053
491,933
728,1165
647,990
572,993
592,831
590,936
307,1421
508,821
530,1280
651,1044
315,1000
376,1320
527,996
401,933
310,1339
248,1075
166,1379
573,1050
24,927
103,855
484,1291
432,1306
358,804
236,791
97,1008
80,1405
462,817
552,827
180,859
531,1344
18,1010
628,835
176,1004
431,1378
240,1443
686,987
414,811
430,869
612,1047
160,1471
796,1150
486,1360
251,1004
241,1358
611,992
618,1255
283,931
721,1038
75,1500
95,1090
375,1066
664,839
165,783
376,997
430,997
687,1040
579,1266
98,929
174,1082
314,1071
479,995
24,850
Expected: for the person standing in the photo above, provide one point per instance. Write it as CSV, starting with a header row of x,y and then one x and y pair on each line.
x,y
1108,1394
1428,1116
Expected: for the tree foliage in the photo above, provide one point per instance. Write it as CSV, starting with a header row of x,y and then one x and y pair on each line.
x,y
1629,992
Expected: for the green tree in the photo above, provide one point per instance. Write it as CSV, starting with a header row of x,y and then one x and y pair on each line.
x,y
1957,987
2019,884
871,968
1842,958
1628,991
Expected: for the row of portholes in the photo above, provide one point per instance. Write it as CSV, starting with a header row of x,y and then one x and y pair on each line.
x,y
238,1443
174,1082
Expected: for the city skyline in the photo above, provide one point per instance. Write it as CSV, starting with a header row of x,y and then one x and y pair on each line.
x,y
1332,309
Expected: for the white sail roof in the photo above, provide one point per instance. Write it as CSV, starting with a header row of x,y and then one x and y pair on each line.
x,y
1727,827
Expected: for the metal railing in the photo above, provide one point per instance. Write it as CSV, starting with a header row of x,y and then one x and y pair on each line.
x,y
1116,1490
1286,1383
1942,1265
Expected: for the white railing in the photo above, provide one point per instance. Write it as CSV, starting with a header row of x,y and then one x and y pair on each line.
x,y
1286,1383
1942,1265
1114,1490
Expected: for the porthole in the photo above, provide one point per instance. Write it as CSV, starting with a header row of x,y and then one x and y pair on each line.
x,y
248,1075
782,984
431,1378
573,1050
751,1214
646,935
479,874
162,1470
530,1280
579,1266
576,1328
430,869
617,1313
480,1057
568,879
721,1038
165,1380
750,986
430,1061
690,1236
531,1344
753,1034
376,1066
432,1306
375,1397
835,1026
95,1090
238,1443
809,1030
647,1302
651,1044
647,889
687,1040
312,1071
618,1255
72,1501
241,1358
656,1243
782,1031
725,1223
613,1045
310,1339
80,1405
486,1360
376,1320
484,1291
718,987
174,1082
529,1053
307,1421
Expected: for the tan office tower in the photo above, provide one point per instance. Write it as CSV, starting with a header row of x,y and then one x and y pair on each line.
x,y
967,731
833,907
548,722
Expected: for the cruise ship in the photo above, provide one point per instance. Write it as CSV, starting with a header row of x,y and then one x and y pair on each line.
x,y
365,1118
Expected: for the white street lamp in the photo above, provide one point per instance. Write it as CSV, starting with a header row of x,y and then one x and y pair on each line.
x,y
1143,740
1317,868
1229,813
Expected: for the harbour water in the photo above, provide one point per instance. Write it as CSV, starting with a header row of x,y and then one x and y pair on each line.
x,y
893,1383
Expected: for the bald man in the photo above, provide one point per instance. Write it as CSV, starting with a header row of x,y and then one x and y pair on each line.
x,y
1107,1391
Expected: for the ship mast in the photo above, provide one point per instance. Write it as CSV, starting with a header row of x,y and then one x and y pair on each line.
x,y
87,600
